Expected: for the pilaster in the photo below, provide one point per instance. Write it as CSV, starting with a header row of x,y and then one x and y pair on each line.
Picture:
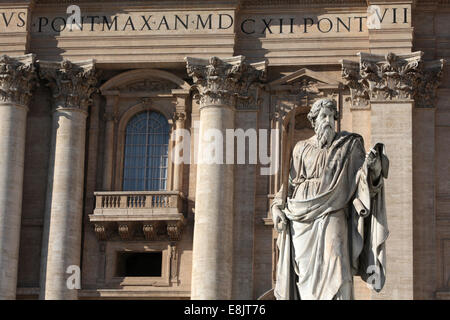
x,y
394,87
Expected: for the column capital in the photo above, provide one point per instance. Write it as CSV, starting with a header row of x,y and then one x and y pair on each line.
x,y
72,84
179,116
18,78
429,81
224,81
392,77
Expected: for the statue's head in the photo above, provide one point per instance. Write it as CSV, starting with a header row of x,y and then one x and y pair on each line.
x,y
322,116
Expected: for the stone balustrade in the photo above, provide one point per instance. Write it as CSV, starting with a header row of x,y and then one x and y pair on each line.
x,y
153,215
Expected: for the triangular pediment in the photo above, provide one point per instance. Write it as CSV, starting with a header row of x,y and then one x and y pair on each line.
x,y
303,77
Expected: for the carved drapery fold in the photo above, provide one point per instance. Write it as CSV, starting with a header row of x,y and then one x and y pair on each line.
x,y
391,78
72,84
230,81
18,78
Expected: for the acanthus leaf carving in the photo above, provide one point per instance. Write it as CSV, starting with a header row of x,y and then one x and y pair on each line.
x,y
18,78
72,84
174,230
126,230
395,78
100,231
179,116
392,77
231,82
149,230
429,81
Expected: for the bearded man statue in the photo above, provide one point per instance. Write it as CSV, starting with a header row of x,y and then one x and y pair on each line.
x,y
331,217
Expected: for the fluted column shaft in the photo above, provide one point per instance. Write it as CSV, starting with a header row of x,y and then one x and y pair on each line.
x,y
17,79
64,207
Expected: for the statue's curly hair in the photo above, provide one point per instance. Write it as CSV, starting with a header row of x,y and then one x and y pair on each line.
x,y
319,104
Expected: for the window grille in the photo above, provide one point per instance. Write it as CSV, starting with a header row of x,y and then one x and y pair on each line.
x,y
146,152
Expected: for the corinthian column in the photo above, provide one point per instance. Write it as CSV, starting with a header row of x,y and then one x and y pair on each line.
x,y
219,83
17,78
72,85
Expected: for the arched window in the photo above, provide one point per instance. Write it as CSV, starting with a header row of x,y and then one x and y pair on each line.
x,y
146,152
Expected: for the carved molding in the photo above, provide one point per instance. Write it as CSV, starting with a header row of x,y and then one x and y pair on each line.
x,y
173,264
149,215
392,77
300,89
230,81
100,231
153,85
18,78
144,78
359,93
429,81
174,230
275,116
149,230
179,116
72,84
126,230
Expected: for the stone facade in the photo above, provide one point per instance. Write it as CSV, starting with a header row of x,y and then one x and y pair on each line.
x,y
69,87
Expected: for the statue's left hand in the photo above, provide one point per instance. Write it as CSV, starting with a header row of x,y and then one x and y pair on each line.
x,y
373,159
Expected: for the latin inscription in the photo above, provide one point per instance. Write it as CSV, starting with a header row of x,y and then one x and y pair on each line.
x,y
257,25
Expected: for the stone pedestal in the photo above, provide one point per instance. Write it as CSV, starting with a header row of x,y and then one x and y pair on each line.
x,y
17,79
64,207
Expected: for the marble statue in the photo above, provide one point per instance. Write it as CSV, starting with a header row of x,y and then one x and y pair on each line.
x,y
331,216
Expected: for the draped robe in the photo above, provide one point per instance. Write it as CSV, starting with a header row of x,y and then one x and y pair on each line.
x,y
336,221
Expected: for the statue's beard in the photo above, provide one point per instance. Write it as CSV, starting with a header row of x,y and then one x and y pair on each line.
x,y
325,135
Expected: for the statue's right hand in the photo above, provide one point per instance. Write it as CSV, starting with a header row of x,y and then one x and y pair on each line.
x,y
279,219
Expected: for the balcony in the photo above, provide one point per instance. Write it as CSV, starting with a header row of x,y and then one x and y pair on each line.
x,y
134,215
